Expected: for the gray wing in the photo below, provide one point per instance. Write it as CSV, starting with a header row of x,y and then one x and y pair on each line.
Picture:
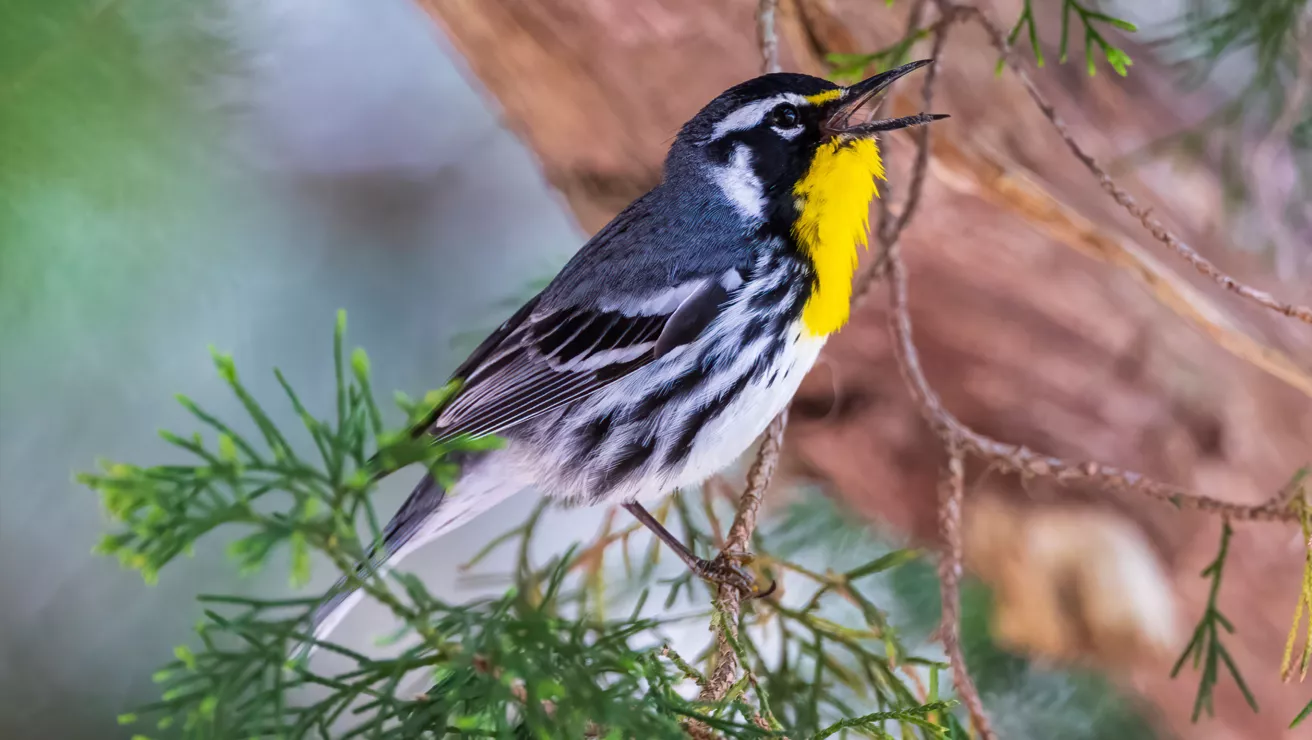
x,y
551,357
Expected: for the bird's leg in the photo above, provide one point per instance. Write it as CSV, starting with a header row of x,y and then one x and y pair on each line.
x,y
723,570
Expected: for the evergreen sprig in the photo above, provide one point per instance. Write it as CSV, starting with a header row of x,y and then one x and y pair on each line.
x,y
1205,646
1212,30
1302,715
1095,42
1289,664
264,486
541,660
1267,38
848,68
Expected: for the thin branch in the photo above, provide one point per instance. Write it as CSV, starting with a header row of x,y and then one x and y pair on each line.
x,y
1009,186
922,132
890,227
1024,461
728,599
758,479
1016,458
769,40
950,494
889,231
608,538
1123,198
960,440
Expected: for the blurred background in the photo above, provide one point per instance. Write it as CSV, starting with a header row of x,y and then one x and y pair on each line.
x,y
177,175
230,173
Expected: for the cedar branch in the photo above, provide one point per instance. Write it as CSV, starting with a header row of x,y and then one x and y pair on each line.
x,y
950,495
1119,194
952,491
728,600
1006,185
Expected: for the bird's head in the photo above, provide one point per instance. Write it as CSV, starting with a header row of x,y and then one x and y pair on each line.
x,y
760,139
795,154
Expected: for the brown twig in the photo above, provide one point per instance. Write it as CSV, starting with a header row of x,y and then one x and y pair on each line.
x,y
728,599
889,230
1009,186
769,40
921,165
950,494
1119,194
959,440
889,227
758,479
1024,461
1017,458
603,542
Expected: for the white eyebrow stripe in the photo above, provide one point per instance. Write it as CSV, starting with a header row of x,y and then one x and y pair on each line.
x,y
751,115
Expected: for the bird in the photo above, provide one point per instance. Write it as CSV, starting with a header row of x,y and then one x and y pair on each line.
x,y
664,347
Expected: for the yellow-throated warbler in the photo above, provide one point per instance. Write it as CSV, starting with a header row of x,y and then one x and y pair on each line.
x,y
666,345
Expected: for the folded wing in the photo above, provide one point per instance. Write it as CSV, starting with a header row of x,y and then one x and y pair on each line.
x,y
542,359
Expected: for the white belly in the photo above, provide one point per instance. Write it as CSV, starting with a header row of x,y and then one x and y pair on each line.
x,y
645,456
725,438
718,444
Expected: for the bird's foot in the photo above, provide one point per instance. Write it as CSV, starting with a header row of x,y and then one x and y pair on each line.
x,y
727,570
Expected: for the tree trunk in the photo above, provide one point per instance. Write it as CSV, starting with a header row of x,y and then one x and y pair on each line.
x,y
1026,339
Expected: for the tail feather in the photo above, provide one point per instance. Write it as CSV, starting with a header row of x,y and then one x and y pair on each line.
x,y
427,514
423,504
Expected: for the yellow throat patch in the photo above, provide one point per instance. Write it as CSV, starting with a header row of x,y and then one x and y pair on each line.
x,y
833,203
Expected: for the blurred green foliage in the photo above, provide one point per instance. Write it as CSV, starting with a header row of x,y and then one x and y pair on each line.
x,y
1028,700
99,124
493,664
1255,54
1205,649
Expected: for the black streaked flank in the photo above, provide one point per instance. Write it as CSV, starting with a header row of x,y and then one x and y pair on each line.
x,y
753,331
695,422
764,362
627,461
682,386
593,433
773,297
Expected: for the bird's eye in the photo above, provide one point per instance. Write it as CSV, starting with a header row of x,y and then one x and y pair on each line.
x,y
785,116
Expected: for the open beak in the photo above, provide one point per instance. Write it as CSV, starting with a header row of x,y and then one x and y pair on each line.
x,y
856,97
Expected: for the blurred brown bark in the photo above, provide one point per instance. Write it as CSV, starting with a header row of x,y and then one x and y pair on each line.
x,y
1026,339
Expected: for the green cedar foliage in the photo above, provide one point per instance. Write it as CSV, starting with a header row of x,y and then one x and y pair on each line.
x,y
538,661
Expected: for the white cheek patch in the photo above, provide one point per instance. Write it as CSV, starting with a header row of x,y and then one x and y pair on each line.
x,y
751,115
739,183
